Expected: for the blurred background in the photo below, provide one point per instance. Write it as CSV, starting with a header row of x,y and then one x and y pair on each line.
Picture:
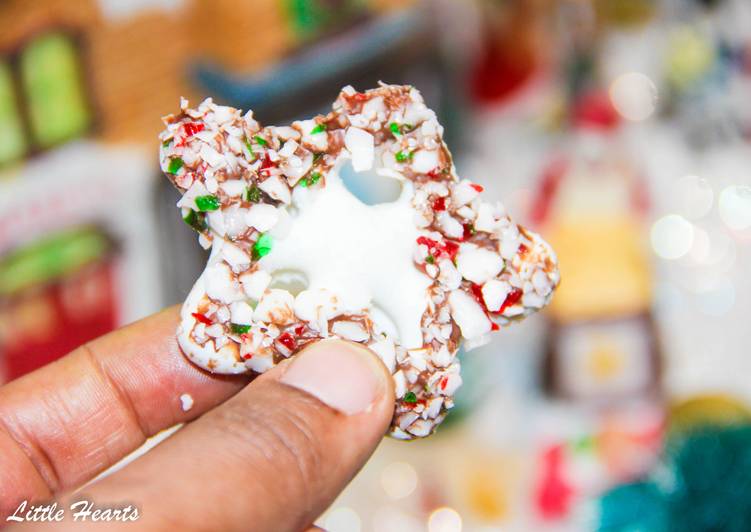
x,y
617,128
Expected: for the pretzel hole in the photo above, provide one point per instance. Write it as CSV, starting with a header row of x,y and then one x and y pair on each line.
x,y
293,281
369,187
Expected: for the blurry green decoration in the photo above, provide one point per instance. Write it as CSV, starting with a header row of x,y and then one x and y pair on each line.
x,y
690,56
51,258
633,507
12,140
53,87
310,18
626,13
704,481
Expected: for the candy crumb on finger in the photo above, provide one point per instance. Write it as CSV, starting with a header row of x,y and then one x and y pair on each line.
x,y
186,402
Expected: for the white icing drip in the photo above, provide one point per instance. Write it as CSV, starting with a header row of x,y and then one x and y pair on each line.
x,y
363,254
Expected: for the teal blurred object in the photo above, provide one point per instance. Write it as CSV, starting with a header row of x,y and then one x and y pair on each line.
x,y
631,507
709,487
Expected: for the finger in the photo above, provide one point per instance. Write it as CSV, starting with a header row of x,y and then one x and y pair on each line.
x,y
275,456
66,422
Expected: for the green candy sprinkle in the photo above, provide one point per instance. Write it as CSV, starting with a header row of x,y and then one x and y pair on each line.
x,y
314,178
395,129
238,328
260,140
253,194
207,203
410,397
401,156
253,155
174,165
430,259
196,220
166,143
320,128
262,246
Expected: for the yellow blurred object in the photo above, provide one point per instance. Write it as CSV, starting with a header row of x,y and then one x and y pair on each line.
x,y
606,359
707,409
604,266
689,56
627,13
487,495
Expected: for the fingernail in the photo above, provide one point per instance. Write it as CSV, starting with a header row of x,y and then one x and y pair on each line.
x,y
345,376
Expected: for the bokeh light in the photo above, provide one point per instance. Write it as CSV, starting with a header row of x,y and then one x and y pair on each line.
x,y
445,520
634,96
399,480
712,246
672,236
342,519
735,207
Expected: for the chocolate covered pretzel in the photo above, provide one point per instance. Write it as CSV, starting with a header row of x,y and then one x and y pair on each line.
x,y
296,257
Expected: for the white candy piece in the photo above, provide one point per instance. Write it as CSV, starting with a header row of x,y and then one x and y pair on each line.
x,y
262,217
468,315
241,313
186,402
255,283
350,330
220,283
361,145
478,264
276,188
275,307
494,293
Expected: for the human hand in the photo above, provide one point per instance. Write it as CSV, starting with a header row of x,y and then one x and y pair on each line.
x,y
269,456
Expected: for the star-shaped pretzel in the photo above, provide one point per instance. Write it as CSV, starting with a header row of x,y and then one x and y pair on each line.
x,y
296,257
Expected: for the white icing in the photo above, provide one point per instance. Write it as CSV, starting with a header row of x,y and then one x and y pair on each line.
x,y
363,254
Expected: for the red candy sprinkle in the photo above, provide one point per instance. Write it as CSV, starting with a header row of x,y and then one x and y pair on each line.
x,y
200,317
448,248
468,231
287,340
247,356
511,299
523,249
191,128
451,248
299,329
434,173
444,382
478,188
439,204
477,292
266,163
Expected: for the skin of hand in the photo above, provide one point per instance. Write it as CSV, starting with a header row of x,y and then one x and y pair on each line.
x,y
271,455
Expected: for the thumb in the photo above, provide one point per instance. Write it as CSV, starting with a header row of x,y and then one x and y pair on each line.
x,y
273,457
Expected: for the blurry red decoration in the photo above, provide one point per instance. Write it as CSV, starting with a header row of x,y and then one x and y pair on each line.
x,y
554,494
594,110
